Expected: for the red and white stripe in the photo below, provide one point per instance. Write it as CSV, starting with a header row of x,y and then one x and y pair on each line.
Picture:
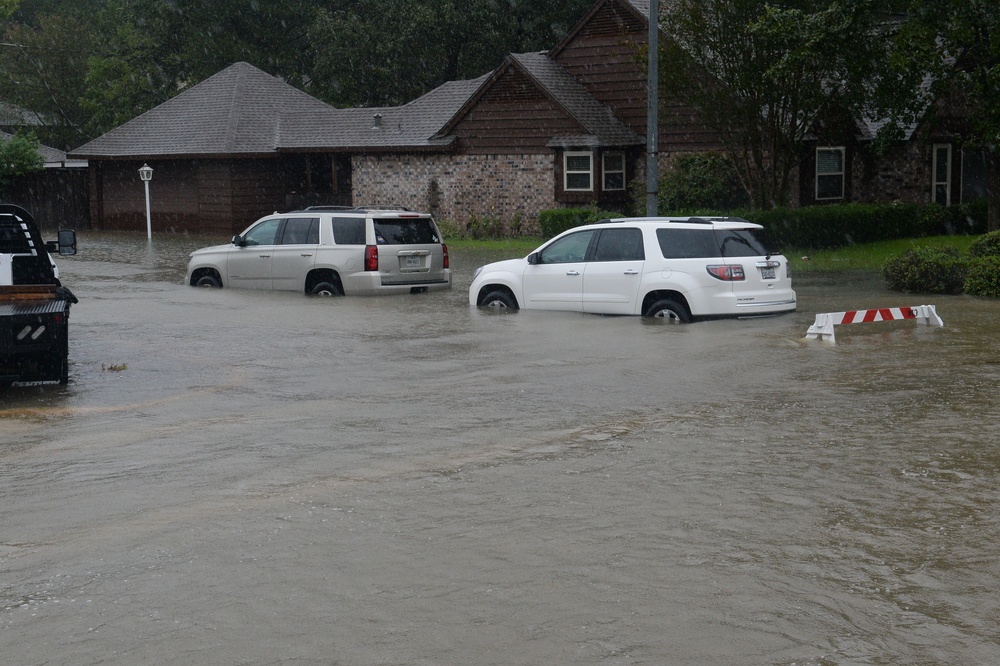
x,y
868,316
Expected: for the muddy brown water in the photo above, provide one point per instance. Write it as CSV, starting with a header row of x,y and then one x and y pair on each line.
x,y
260,478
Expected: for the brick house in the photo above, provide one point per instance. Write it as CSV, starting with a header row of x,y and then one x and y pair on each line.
x,y
564,127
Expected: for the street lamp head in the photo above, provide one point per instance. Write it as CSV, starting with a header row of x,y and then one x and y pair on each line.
x,y
146,172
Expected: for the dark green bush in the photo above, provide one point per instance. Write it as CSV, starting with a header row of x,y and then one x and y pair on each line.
x,y
987,245
926,271
983,278
832,226
968,218
699,181
557,220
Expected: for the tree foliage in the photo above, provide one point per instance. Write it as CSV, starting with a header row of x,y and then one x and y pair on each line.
x,y
18,156
373,53
764,74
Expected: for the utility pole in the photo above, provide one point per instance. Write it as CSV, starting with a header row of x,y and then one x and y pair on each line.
x,y
652,116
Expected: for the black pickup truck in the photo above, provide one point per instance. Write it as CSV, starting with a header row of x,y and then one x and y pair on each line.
x,y
34,306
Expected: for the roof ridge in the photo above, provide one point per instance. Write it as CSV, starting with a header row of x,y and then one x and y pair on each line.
x,y
235,107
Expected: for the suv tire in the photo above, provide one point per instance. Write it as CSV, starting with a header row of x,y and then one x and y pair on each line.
x,y
327,289
669,310
208,281
498,300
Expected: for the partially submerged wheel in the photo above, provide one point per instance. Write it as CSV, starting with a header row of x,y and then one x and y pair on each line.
x,y
669,311
208,281
498,300
327,289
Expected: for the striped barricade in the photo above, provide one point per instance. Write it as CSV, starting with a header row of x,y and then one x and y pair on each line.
x,y
822,328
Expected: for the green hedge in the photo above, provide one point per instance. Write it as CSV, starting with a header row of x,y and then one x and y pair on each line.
x,y
827,227
557,220
820,227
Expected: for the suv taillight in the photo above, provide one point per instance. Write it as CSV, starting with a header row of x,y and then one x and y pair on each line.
x,y
444,251
371,258
727,272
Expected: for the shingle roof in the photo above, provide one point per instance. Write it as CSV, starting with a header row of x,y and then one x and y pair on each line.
x,y
234,112
411,126
53,157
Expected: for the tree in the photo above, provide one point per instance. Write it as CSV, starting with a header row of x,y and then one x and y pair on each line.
x,y
43,69
138,65
762,75
373,53
18,156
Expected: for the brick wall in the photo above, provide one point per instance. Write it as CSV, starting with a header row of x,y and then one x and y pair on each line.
x,y
902,175
456,188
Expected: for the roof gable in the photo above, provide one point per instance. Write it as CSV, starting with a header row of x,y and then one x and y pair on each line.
x,y
234,112
600,16
599,124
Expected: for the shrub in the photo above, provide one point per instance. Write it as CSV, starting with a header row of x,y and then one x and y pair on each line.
x,y
557,220
700,181
987,245
926,271
983,278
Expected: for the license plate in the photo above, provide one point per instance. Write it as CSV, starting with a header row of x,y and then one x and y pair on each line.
x,y
767,273
417,262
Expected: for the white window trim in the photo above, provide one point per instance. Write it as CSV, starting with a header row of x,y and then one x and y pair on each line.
x,y
934,169
841,173
566,172
605,171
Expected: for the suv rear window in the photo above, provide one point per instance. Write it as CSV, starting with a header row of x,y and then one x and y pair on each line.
x,y
703,243
687,243
742,242
410,231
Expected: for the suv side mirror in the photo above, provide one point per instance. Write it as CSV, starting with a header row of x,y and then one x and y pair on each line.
x,y
238,241
65,245
533,258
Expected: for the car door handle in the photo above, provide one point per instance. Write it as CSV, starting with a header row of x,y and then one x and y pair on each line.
x,y
572,272
631,271
264,256
307,254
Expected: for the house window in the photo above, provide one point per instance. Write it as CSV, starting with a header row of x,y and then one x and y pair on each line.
x,y
578,172
614,171
829,173
975,169
941,168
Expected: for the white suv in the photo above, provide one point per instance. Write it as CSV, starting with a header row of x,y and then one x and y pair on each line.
x,y
676,268
329,251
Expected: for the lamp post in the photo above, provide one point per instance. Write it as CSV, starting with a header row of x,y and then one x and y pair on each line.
x,y
146,173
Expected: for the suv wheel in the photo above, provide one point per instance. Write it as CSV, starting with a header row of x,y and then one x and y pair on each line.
x,y
669,311
327,289
207,281
498,300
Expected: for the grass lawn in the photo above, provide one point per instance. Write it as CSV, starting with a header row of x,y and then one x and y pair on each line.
x,y
869,257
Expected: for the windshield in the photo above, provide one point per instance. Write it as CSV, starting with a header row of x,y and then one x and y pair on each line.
x,y
410,231
742,242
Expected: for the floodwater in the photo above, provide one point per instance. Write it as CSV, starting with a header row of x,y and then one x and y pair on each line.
x,y
267,478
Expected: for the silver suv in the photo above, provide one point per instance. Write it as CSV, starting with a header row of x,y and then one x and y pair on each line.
x,y
329,251
673,268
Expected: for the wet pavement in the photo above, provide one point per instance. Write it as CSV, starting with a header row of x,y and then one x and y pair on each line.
x,y
237,477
